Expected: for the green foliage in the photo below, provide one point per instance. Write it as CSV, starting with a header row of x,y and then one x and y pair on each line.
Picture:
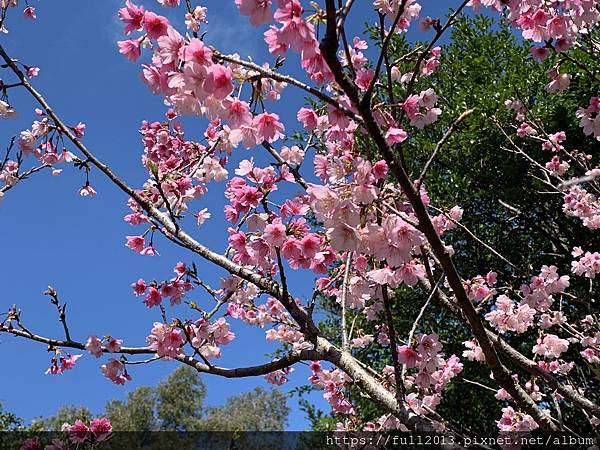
x,y
177,404
66,414
257,410
482,66
9,421
134,413
180,398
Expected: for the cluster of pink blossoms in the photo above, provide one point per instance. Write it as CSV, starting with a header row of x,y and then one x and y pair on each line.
x,y
473,351
115,371
530,386
207,337
557,166
391,8
509,316
512,421
266,232
41,143
173,289
47,149
184,72
279,377
166,340
433,372
481,288
590,340
294,33
537,297
80,432
332,382
179,170
242,305
421,110
204,336
94,345
587,265
579,202
550,346
60,363
97,430
556,23
590,118
538,293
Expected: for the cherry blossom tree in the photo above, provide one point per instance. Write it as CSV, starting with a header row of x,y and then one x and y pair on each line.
x,y
358,219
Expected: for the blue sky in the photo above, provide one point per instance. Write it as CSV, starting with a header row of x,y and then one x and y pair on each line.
x,y
51,236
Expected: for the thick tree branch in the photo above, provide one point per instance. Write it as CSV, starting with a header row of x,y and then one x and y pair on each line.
x,y
263,369
304,321
501,374
520,360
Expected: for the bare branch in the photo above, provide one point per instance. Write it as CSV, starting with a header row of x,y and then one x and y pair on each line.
x,y
287,79
172,231
343,301
441,142
501,374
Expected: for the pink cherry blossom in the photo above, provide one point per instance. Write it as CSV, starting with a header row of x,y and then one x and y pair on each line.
x,y
29,12
139,287
407,356
136,243
78,432
130,49
155,25
395,135
590,118
275,233
69,362
268,127
308,118
87,191
114,345
94,346
344,238
79,129
218,81
550,346
115,371
148,251
514,421
153,298
259,11
165,340
101,428
132,15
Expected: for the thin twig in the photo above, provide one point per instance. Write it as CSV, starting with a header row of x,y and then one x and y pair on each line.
x,y
343,300
442,141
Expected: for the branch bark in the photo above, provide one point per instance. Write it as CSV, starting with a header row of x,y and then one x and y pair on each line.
x,y
501,374
304,321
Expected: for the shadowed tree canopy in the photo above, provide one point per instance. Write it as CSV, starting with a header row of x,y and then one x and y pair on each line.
x,y
505,207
